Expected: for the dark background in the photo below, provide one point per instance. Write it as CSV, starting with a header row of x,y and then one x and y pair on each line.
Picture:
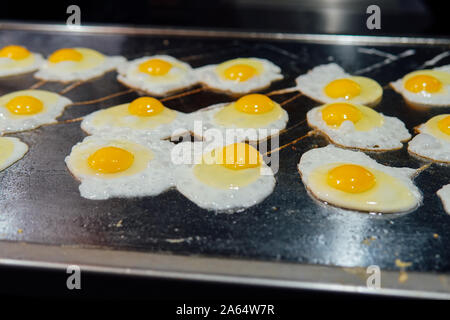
x,y
398,17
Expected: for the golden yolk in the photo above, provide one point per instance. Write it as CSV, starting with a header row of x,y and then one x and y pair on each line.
x,y
110,160
240,72
155,67
14,52
239,156
254,104
342,88
65,54
444,125
351,178
25,105
145,107
336,113
423,82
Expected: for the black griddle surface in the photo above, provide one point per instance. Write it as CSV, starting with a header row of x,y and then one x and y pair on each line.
x,y
40,197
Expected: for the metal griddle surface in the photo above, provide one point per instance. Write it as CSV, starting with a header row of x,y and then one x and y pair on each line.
x,y
40,197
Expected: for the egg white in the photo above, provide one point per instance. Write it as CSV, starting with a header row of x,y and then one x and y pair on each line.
x,y
179,77
11,67
18,151
423,99
388,136
427,145
153,180
178,126
67,71
321,157
444,195
208,76
205,117
54,105
217,199
312,84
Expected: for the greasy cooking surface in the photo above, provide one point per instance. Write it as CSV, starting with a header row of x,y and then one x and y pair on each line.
x,y
40,202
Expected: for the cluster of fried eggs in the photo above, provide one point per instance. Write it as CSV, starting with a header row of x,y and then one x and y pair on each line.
x,y
330,83
433,140
144,115
357,126
111,166
239,76
223,177
28,109
352,180
425,88
157,75
77,64
253,116
15,60
11,150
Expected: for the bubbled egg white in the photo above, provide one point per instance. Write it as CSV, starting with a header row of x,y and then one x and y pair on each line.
x,y
28,109
11,150
149,174
444,195
157,75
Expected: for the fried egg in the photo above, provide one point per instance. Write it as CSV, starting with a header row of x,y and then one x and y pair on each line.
x,y
119,166
444,195
330,83
157,75
144,115
77,64
352,180
239,76
11,150
222,178
253,116
29,109
357,126
16,60
433,140
425,88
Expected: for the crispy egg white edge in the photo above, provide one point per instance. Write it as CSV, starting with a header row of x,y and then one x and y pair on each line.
x,y
110,63
389,136
179,126
418,99
206,115
208,76
210,198
444,195
428,146
20,149
34,121
155,179
314,81
188,80
316,158
38,62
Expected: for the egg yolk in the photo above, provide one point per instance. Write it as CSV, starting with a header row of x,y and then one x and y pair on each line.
x,y
145,107
14,52
240,72
423,82
25,105
351,178
254,104
444,125
65,54
336,113
342,88
240,156
110,160
155,67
